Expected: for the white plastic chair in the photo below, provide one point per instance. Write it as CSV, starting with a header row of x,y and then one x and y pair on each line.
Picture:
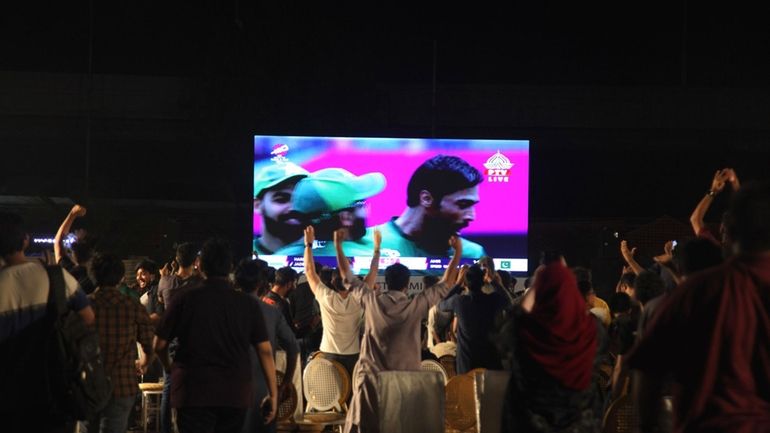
x,y
431,365
326,385
410,401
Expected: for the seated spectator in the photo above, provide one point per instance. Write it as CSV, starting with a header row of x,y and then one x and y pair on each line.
x,y
712,335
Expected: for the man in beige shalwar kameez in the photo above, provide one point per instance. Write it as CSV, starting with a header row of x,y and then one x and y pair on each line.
x,y
391,339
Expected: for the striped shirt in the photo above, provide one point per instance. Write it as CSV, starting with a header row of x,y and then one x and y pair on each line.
x,y
121,322
24,296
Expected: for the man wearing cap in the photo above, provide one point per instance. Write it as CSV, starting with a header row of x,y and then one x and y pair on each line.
x,y
273,189
331,199
441,196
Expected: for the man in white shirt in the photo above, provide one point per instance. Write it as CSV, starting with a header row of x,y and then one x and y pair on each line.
x,y
341,315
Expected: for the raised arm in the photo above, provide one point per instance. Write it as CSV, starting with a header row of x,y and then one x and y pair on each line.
x,y
310,272
628,256
64,228
434,294
717,185
450,274
371,277
342,261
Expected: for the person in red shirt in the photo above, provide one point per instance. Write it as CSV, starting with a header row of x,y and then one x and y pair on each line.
x,y
712,335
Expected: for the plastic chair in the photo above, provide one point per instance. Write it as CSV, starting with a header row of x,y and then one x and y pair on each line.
x,y
410,401
489,389
431,365
448,362
620,416
288,405
326,385
460,404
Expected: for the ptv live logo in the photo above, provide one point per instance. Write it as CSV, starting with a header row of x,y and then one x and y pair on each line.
x,y
497,168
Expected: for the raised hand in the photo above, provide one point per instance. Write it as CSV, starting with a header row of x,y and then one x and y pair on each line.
x,y
461,274
456,244
668,253
310,235
731,177
78,211
718,182
377,239
627,253
339,236
166,270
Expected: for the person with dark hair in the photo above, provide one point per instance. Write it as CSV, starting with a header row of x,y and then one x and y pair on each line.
x,y
476,313
715,334
249,277
441,196
180,274
25,323
341,315
696,255
121,323
171,284
626,284
594,304
648,286
82,250
392,324
285,282
273,190
307,317
216,326
439,322
147,288
553,347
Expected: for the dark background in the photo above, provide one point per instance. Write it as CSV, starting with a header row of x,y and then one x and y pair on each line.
x,y
145,110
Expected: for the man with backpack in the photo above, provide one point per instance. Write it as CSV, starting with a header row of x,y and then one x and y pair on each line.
x,y
27,320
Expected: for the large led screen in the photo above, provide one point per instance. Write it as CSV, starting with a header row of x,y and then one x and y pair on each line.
x,y
416,191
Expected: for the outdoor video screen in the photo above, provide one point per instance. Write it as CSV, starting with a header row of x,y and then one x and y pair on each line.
x,y
417,192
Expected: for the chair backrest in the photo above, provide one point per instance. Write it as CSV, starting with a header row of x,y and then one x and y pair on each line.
x,y
288,405
620,416
448,362
490,387
325,385
410,401
460,403
431,365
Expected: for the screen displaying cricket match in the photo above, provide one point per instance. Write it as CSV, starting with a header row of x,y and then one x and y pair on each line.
x,y
416,192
